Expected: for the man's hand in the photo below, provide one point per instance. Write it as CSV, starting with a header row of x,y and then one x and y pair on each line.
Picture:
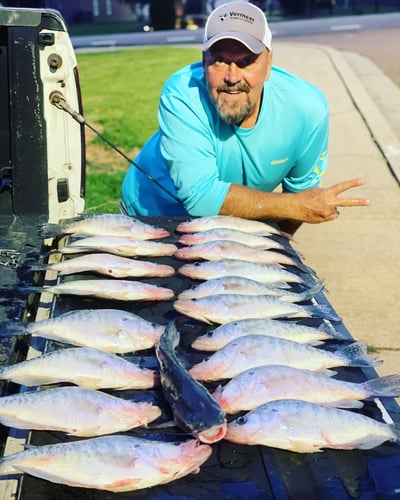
x,y
321,204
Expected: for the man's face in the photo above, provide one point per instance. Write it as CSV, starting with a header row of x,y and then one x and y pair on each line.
x,y
235,78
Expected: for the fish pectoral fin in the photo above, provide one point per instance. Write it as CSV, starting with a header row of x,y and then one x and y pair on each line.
x,y
88,383
122,485
300,446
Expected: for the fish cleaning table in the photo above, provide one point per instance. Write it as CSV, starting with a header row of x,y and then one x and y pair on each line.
x,y
233,471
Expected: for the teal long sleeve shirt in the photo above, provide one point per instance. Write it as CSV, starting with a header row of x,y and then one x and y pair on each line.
x,y
197,156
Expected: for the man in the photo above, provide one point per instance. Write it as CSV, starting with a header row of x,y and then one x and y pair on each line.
x,y
233,129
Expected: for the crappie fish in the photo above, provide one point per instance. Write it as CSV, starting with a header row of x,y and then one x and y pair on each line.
x,y
111,463
215,339
258,350
217,250
306,427
194,409
261,241
125,247
246,286
228,222
76,411
257,386
109,265
105,225
264,273
110,330
224,308
110,289
85,367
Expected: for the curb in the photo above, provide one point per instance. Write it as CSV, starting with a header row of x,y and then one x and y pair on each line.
x,y
381,132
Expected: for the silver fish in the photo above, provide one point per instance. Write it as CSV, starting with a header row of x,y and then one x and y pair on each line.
x,y
76,411
264,273
117,245
224,308
261,241
85,367
111,463
257,386
217,250
108,264
305,427
215,339
246,286
259,350
105,225
110,289
110,330
228,222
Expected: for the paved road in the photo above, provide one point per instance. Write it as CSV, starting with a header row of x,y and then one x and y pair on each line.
x,y
360,48
381,46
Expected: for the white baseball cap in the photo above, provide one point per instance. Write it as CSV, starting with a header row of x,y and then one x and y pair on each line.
x,y
241,21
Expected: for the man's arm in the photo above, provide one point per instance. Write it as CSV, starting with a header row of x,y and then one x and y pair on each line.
x,y
313,205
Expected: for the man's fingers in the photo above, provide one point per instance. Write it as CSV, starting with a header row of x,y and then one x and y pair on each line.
x,y
341,187
352,202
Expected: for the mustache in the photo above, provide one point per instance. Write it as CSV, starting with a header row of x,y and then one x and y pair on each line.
x,y
241,87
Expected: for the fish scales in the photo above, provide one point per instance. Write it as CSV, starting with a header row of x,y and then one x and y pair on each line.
x,y
111,330
193,407
105,225
223,249
111,289
111,463
85,367
224,308
257,386
124,247
305,427
264,273
76,411
259,350
289,330
108,264
246,286
228,222
261,241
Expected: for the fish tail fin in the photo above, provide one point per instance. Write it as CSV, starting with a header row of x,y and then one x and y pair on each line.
x,y
37,267
309,293
9,328
388,385
217,393
356,355
284,234
322,311
50,230
309,281
26,290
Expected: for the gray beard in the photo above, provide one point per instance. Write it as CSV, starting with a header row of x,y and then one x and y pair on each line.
x,y
234,117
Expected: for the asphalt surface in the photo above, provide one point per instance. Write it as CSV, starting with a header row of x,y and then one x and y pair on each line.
x,y
358,254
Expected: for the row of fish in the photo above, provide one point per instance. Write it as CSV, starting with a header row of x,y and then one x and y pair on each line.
x,y
267,367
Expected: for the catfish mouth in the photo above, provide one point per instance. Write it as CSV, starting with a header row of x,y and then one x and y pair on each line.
x,y
213,434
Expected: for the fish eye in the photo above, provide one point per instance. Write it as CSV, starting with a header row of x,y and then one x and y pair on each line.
x,y
209,333
241,420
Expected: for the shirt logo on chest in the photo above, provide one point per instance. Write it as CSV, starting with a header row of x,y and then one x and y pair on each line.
x,y
278,162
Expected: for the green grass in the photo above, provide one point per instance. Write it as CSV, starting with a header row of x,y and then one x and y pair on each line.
x,y
120,93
